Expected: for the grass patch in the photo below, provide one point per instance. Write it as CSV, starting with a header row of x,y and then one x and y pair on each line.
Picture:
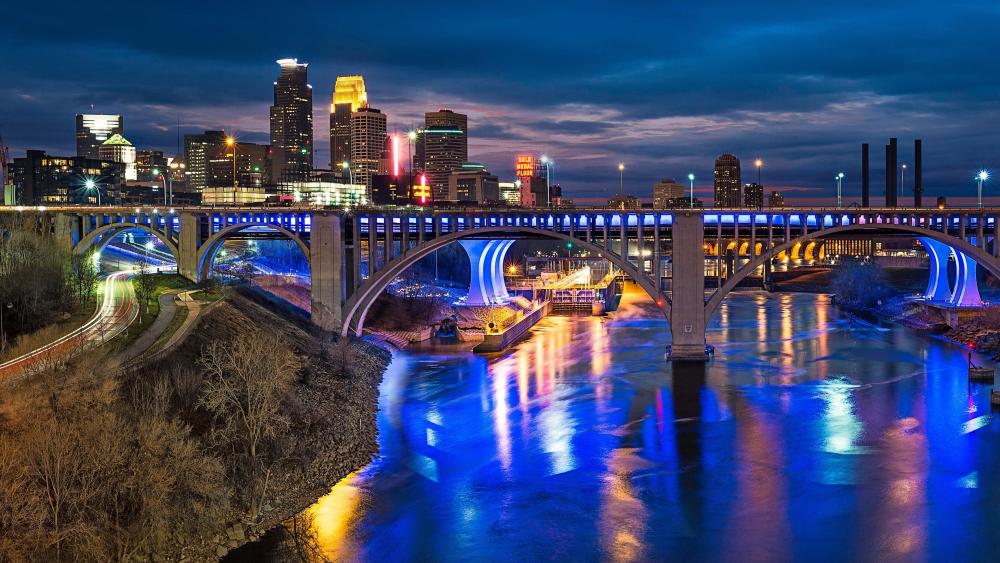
x,y
147,316
173,327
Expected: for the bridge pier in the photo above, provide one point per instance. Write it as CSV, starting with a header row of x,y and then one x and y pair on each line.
x,y
327,262
187,248
486,283
687,310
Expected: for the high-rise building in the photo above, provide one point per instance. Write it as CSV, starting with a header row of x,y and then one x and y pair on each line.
x,y
147,161
252,165
291,123
349,95
118,149
368,136
666,190
442,147
198,149
93,129
727,181
41,179
753,196
775,199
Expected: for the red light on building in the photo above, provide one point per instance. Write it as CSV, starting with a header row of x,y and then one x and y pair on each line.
x,y
395,155
524,165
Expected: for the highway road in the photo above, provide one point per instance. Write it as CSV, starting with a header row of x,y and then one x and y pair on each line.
x,y
117,309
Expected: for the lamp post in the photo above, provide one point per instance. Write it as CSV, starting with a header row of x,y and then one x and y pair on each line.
x,y
902,180
691,194
840,179
347,166
759,164
163,178
90,184
982,177
231,142
411,136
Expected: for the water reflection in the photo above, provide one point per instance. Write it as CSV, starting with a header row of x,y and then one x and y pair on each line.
x,y
810,435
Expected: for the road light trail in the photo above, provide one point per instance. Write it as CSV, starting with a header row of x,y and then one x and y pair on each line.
x,y
115,313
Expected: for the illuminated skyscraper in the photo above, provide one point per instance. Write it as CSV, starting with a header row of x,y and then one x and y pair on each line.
x,y
368,133
118,149
93,129
727,181
666,191
291,123
198,150
349,95
753,196
442,147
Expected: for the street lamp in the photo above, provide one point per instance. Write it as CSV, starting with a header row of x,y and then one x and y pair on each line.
x,y
347,166
163,178
982,177
759,164
90,184
231,142
691,195
902,180
411,136
840,179
621,178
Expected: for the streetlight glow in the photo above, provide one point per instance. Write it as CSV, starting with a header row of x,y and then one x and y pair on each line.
x,y
983,175
230,141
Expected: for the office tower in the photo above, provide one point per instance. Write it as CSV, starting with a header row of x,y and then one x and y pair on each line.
x,y
93,129
891,169
291,123
118,149
253,164
775,199
198,149
349,95
148,161
865,186
727,181
666,190
368,135
918,173
753,196
41,179
442,147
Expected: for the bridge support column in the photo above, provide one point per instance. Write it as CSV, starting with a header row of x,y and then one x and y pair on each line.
x,y
966,292
187,248
486,284
687,310
327,254
937,282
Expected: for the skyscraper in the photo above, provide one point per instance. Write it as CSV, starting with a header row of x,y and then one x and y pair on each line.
x,y
118,149
291,123
666,190
349,95
93,129
727,181
368,133
442,147
753,196
198,150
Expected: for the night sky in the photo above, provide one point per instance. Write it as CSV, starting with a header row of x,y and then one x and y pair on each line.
x,y
662,86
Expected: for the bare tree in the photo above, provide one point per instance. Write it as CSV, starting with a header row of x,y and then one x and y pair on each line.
x,y
248,379
145,284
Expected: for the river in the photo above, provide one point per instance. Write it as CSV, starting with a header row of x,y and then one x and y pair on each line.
x,y
810,435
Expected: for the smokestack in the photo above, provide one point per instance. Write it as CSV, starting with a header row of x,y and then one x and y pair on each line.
x,y
864,176
918,174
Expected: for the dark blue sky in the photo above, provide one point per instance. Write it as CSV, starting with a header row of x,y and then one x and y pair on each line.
x,y
663,86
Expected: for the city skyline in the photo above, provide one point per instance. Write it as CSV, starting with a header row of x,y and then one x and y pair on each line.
x,y
803,88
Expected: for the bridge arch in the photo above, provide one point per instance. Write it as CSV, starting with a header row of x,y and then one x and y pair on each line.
x,y
356,308
980,256
101,236
206,253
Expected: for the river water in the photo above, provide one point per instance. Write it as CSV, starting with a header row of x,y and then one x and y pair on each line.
x,y
810,435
